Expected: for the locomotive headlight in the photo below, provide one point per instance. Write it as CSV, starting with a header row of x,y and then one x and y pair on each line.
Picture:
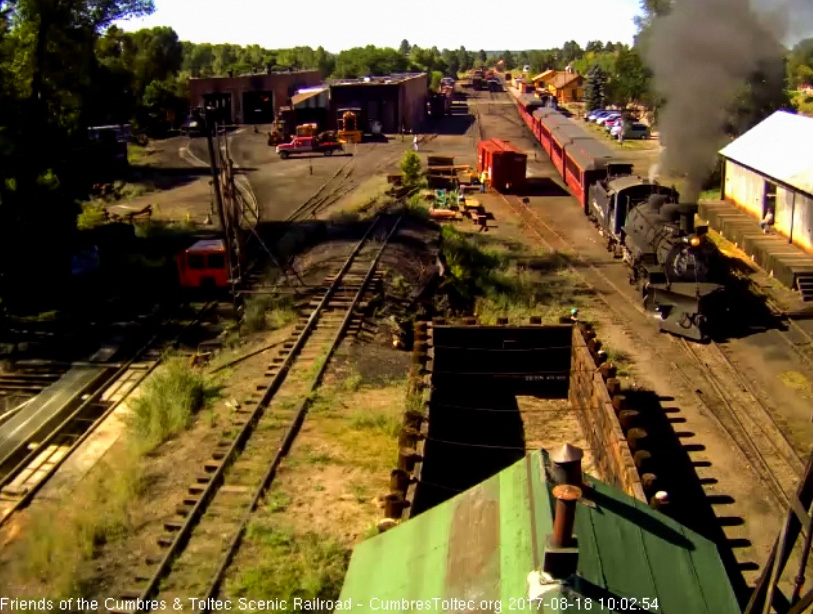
x,y
694,241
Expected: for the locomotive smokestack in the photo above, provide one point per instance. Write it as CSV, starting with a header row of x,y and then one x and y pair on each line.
x,y
714,47
687,212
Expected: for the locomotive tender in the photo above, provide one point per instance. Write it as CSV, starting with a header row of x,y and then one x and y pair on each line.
x,y
674,264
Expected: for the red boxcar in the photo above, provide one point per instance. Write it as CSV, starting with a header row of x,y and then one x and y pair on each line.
x,y
204,265
505,164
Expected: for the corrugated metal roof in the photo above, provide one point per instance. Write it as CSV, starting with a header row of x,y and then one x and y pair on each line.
x,y
303,95
482,545
778,147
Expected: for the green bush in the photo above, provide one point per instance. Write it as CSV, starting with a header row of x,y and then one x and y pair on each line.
x,y
411,169
92,216
266,312
169,402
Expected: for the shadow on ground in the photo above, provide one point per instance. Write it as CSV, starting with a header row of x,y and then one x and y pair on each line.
x,y
672,463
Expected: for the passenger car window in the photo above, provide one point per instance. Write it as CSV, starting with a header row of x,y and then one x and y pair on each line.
x,y
216,261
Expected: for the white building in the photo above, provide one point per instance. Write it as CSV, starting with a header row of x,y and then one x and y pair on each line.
x,y
771,166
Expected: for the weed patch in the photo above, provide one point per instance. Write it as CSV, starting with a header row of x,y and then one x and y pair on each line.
x,y
305,565
265,312
169,402
61,539
380,421
483,279
278,501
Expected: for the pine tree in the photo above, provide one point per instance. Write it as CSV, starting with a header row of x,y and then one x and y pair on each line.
x,y
595,88
411,169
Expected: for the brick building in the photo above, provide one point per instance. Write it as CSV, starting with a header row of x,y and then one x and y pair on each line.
x,y
254,98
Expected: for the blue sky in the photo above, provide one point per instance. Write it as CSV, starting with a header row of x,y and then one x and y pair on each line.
x,y
520,24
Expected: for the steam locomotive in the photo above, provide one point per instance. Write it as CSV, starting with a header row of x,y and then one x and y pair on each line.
x,y
674,264
678,270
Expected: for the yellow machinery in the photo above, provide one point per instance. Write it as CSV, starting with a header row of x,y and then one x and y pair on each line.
x,y
275,137
307,130
348,128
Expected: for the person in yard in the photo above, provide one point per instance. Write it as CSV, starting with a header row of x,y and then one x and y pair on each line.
x,y
621,132
483,179
574,315
767,221
415,142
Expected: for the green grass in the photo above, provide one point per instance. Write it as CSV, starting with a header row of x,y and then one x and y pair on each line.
x,y
52,556
92,216
483,279
278,501
289,565
621,360
352,382
710,194
266,312
138,154
168,403
416,207
379,421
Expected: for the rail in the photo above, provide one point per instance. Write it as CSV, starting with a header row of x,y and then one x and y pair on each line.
x,y
183,531
31,489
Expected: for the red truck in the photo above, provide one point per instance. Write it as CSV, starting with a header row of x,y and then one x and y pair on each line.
x,y
307,144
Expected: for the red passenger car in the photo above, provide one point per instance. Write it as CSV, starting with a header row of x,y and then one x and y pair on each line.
x,y
204,265
546,120
504,163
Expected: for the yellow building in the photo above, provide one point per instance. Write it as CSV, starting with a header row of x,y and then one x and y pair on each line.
x,y
566,85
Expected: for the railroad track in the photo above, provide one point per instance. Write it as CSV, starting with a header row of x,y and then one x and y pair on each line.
x,y
732,403
738,410
341,183
26,471
195,550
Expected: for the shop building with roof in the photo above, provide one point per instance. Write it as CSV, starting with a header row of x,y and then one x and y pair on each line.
x,y
394,101
538,530
770,167
254,98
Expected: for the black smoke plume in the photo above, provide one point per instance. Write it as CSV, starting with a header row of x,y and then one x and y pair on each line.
x,y
701,54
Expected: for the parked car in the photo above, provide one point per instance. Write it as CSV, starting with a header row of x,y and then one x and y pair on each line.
x,y
192,127
307,144
595,114
632,131
603,114
609,124
605,118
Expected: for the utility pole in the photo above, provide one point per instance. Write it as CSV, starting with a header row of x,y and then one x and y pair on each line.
x,y
211,125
